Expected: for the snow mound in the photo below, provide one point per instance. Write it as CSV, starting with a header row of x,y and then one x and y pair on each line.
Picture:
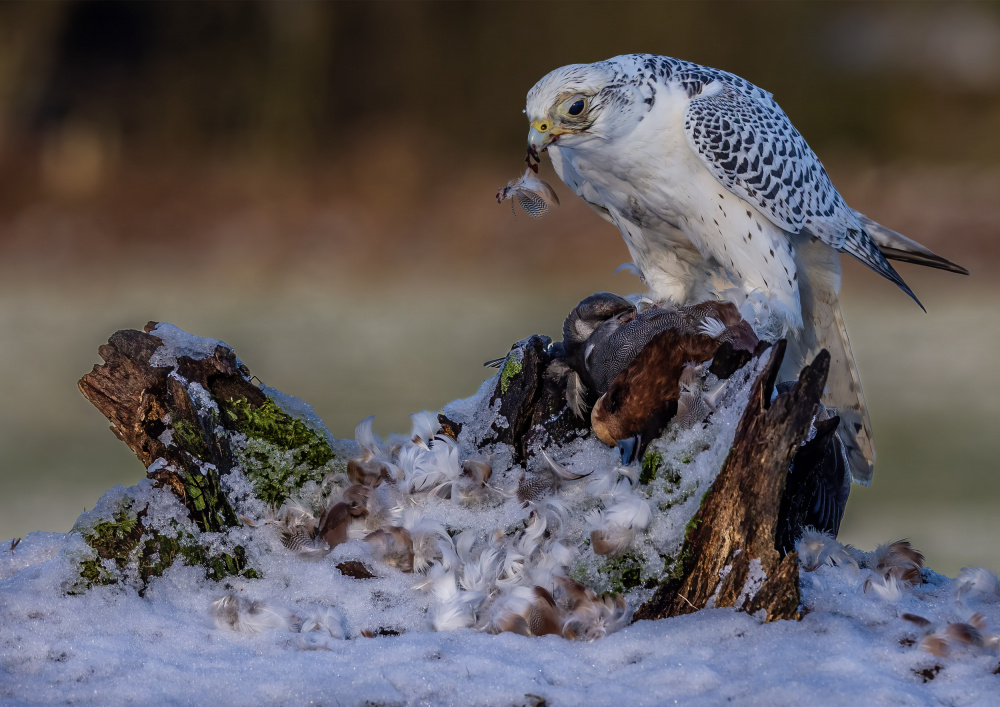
x,y
112,646
416,572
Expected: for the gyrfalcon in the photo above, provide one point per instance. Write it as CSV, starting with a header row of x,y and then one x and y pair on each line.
x,y
718,196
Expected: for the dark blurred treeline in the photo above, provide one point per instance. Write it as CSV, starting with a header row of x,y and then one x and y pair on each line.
x,y
294,81
306,132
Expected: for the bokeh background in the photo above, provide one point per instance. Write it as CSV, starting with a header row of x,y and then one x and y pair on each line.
x,y
313,183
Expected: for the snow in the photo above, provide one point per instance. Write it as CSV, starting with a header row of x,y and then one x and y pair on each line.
x,y
177,343
111,646
298,633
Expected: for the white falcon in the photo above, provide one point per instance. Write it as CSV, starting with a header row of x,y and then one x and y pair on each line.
x,y
717,195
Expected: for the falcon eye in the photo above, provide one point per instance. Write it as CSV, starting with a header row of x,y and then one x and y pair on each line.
x,y
576,108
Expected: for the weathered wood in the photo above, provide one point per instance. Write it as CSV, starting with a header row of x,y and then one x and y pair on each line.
x,y
739,514
448,427
732,584
128,391
518,388
552,422
779,596
143,402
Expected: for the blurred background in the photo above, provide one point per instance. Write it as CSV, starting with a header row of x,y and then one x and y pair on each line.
x,y
313,183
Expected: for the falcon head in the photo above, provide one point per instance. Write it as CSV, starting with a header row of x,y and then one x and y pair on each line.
x,y
579,102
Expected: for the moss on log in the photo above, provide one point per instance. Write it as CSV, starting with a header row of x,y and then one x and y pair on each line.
x,y
191,423
127,551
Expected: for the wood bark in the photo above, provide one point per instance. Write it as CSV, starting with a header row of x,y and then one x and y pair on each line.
x,y
138,398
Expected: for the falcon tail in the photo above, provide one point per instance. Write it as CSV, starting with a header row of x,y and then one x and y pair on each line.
x,y
823,328
844,393
896,246
863,247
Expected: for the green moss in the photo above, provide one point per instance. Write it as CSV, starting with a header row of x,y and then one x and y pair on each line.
x,y
623,572
225,564
116,538
209,505
692,525
273,425
675,569
672,569
580,573
281,453
650,465
274,473
511,369
683,561
653,467
94,573
124,546
191,439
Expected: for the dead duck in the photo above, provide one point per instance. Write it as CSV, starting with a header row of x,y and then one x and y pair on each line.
x,y
634,361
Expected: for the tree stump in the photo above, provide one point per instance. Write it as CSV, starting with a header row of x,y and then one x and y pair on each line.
x,y
137,397
192,420
729,555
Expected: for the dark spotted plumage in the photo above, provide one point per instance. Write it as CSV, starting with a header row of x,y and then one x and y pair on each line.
x,y
748,143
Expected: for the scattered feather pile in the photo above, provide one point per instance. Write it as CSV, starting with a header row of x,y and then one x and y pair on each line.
x,y
892,572
976,583
894,568
241,615
568,543
886,573
943,639
504,579
315,626
816,548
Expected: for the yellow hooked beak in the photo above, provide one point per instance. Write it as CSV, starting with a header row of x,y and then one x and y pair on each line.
x,y
542,134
